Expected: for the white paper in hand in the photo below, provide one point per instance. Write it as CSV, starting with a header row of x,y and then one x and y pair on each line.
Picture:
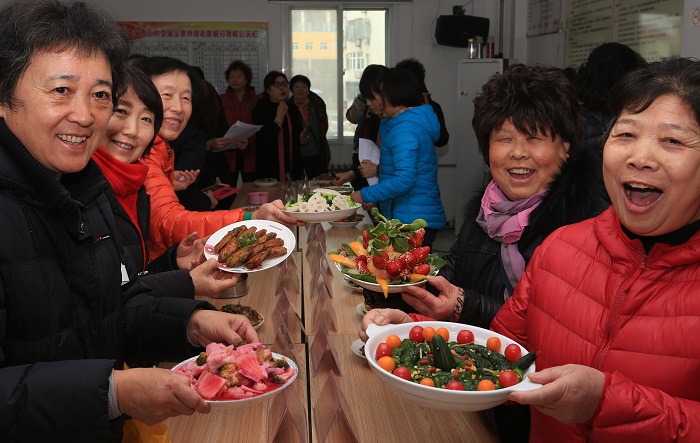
x,y
237,132
369,151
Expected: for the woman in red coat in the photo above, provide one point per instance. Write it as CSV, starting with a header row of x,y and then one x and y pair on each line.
x,y
610,303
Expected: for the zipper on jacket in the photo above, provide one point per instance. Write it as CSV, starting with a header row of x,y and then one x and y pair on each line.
x,y
614,312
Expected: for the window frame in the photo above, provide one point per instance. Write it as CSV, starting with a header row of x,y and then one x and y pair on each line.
x,y
391,19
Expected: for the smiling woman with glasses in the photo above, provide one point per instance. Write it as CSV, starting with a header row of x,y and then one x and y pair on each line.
x,y
278,142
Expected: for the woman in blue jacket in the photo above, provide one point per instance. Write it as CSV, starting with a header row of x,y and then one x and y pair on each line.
x,y
408,188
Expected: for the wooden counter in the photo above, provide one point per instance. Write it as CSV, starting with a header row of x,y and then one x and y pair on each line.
x,y
374,413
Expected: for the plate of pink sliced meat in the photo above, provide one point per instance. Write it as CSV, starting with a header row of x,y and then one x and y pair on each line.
x,y
236,376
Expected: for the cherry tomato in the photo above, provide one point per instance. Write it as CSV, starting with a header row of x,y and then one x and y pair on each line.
x,y
444,333
394,341
513,352
508,378
416,334
494,344
429,333
427,382
454,385
382,350
403,372
486,385
386,363
465,336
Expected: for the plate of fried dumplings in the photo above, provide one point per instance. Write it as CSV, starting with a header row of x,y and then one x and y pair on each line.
x,y
250,246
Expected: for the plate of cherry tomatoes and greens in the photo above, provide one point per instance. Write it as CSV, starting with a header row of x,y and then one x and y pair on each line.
x,y
236,376
347,222
449,366
388,257
250,246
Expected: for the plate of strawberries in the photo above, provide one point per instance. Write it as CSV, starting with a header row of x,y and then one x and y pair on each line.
x,y
388,257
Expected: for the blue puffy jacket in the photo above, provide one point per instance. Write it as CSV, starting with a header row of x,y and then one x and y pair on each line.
x,y
408,187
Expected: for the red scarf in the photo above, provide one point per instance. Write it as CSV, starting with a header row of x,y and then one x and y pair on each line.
x,y
126,179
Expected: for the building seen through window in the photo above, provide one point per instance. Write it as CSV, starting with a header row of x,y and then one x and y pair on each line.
x,y
355,37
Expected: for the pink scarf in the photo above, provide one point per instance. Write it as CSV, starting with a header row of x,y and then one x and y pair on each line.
x,y
504,221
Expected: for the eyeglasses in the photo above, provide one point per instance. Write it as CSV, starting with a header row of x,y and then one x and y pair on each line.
x,y
280,84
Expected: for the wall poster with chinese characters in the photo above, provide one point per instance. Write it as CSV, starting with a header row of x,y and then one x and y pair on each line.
x,y
210,45
650,27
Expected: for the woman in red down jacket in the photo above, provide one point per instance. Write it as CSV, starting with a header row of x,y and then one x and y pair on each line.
x,y
610,303
611,332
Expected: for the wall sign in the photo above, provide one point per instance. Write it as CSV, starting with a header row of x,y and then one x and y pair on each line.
x,y
210,45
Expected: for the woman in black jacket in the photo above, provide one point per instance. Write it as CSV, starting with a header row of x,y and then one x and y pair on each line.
x,y
277,143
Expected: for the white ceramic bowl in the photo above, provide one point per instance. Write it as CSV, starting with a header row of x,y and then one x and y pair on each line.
x,y
344,224
437,398
230,404
325,216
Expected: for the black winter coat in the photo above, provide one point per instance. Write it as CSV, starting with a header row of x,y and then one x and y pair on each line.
x,y
266,150
474,262
65,319
176,282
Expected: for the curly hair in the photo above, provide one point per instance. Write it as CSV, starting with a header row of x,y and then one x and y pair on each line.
x,y
536,99
28,28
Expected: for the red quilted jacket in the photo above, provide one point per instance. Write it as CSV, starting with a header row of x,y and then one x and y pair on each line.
x,y
591,296
170,221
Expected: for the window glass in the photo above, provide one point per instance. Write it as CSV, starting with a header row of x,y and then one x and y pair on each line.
x,y
363,42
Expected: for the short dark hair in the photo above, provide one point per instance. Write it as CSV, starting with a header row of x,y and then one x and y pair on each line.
x,y
416,68
371,80
270,78
146,92
401,88
27,28
156,66
537,99
238,65
638,89
605,65
299,78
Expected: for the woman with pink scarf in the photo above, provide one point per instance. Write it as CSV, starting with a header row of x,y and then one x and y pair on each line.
x,y
526,123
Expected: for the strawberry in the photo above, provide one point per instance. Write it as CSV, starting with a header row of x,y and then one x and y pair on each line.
x,y
405,272
419,235
421,253
423,269
384,238
393,268
411,240
365,239
409,259
380,261
361,264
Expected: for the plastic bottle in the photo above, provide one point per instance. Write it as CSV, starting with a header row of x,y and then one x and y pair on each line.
x,y
489,46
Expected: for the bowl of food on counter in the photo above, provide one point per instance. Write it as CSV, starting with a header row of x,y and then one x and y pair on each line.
x,y
449,366
256,319
347,222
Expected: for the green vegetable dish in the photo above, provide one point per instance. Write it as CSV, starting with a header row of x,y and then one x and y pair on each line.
x,y
467,363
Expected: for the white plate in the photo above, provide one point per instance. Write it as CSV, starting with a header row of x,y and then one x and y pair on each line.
x,y
265,184
436,398
229,404
326,216
358,348
281,230
360,308
375,286
345,225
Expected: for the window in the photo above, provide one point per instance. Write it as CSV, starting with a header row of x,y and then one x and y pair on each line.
x,y
347,40
355,60
295,45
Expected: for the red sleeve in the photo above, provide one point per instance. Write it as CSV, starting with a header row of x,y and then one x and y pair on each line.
x,y
420,317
